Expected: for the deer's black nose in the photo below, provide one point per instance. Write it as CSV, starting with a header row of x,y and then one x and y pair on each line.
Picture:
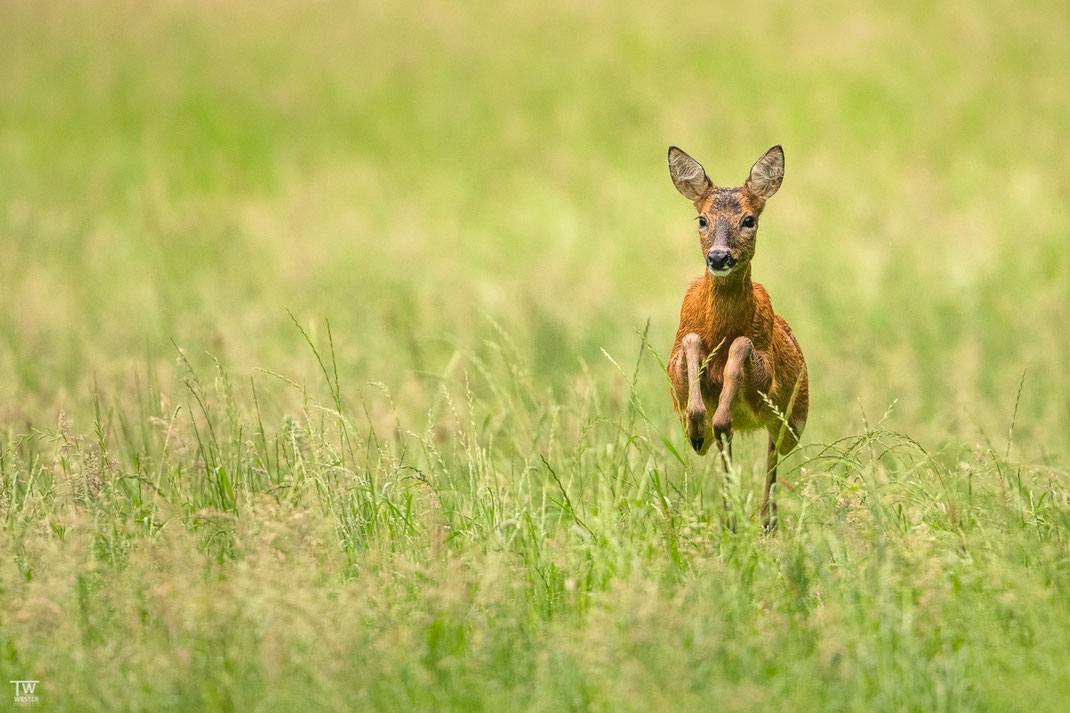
x,y
720,259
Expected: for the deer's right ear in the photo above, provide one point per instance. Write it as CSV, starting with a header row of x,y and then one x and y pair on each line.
x,y
688,175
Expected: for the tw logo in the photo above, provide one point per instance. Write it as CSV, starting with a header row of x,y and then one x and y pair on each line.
x,y
25,692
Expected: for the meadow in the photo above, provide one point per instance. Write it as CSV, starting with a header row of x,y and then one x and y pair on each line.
x,y
331,340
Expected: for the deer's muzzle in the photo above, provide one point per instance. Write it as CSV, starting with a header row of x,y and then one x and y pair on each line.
x,y
720,260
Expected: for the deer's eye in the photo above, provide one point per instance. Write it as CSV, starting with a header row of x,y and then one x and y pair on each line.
x,y
748,221
702,221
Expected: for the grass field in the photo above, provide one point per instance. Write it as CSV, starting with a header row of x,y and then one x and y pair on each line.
x,y
330,339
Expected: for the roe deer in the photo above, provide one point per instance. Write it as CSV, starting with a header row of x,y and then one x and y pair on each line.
x,y
733,355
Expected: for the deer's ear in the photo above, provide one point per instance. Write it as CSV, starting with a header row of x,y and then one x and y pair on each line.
x,y
767,173
688,175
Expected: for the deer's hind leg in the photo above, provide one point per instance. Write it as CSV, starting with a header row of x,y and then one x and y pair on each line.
x,y
769,512
781,440
685,371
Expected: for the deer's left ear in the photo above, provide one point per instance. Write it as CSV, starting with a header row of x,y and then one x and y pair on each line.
x,y
767,173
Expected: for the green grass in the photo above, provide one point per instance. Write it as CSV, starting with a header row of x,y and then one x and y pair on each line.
x,y
329,343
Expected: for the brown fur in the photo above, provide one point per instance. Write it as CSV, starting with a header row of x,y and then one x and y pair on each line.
x,y
754,352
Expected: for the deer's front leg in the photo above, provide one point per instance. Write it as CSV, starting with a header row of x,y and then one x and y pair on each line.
x,y
694,408
737,371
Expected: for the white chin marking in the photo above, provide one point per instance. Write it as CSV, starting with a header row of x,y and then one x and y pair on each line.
x,y
720,273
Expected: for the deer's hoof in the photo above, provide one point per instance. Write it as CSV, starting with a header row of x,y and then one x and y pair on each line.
x,y
696,443
722,429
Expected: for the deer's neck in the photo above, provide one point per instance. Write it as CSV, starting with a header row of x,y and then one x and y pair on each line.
x,y
730,304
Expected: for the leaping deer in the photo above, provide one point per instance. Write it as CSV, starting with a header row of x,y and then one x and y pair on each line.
x,y
733,355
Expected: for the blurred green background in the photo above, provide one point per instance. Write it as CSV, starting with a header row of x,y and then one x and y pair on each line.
x,y
187,171
468,506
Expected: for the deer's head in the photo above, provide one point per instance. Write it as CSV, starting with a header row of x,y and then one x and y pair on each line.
x,y
727,217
